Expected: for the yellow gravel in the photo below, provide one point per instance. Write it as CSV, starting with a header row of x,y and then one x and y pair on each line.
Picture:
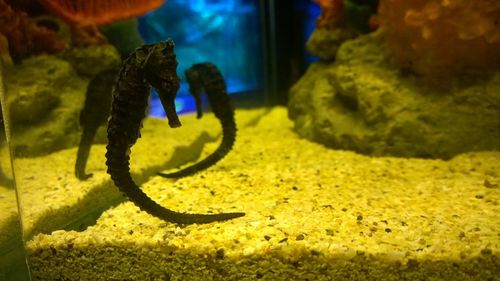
x,y
312,213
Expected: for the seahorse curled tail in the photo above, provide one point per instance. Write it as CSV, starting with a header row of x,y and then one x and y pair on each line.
x,y
206,76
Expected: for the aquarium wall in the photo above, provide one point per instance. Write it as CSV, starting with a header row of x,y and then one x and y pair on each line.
x,y
265,140
13,263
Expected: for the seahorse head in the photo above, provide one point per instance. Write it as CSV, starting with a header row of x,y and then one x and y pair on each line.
x,y
160,64
159,67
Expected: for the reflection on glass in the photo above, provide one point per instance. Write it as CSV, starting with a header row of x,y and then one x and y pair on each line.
x,y
12,256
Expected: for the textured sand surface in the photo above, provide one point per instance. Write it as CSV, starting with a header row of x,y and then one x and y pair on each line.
x,y
53,198
311,214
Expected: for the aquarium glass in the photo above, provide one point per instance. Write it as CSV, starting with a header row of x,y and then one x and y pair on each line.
x,y
13,264
370,152
311,11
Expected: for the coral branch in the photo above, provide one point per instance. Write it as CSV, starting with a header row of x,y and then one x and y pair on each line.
x,y
95,12
85,15
24,36
332,14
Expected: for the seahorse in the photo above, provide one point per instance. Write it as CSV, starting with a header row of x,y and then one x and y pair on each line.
x,y
150,65
94,114
206,76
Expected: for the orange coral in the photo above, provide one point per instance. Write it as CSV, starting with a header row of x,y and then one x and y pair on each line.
x,y
442,37
85,15
332,14
99,12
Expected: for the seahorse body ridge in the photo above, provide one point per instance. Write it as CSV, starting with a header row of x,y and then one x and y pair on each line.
x,y
150,65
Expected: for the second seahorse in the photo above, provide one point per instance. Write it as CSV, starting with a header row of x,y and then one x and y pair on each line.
x,y
206,76
94,114
153,65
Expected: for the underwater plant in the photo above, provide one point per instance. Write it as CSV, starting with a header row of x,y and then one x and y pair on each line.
x,y
442,37
206,76
94,114
84,16
24,36
150,65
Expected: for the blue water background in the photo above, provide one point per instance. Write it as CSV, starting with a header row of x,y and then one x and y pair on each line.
x,y
227,33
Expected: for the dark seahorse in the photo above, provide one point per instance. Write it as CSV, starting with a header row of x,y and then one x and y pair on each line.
x,y
206,76
94,114
153,65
